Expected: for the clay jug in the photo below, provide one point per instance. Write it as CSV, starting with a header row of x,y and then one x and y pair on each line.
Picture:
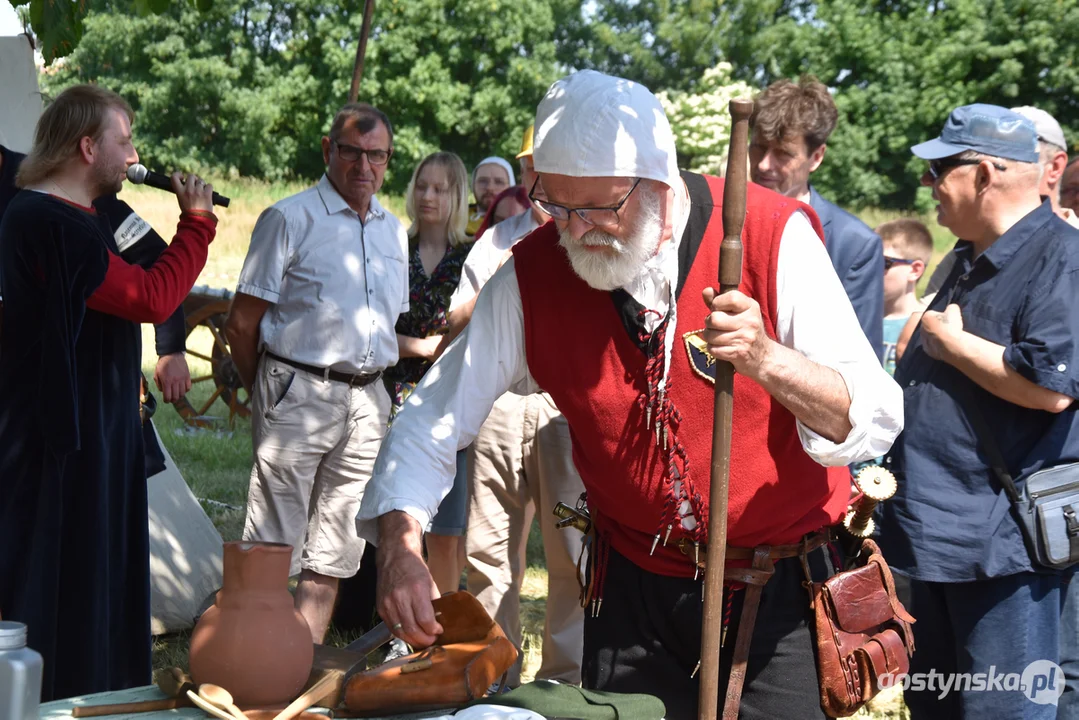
x,y
252,641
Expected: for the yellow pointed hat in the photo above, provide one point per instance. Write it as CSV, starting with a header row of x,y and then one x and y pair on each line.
x,y
526,143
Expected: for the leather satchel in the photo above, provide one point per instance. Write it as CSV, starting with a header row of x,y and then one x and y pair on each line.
x,y
863,632
468,658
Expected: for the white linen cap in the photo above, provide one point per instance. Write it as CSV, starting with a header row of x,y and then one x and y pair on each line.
x,y
495,161
595,125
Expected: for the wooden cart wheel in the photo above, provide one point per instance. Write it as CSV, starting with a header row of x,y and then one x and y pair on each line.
x,y
210,313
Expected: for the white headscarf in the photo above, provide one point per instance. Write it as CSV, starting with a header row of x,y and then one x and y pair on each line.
x,y
495,161
595,125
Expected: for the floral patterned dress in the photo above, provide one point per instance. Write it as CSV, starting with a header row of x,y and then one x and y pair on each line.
x,y
428,304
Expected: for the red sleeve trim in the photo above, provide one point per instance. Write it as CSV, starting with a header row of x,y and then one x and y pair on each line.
x,y
151,296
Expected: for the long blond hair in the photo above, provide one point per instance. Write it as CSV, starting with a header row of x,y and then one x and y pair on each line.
x,y
78,112
457,192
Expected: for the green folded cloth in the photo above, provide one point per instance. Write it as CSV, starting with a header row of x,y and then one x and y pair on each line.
x,y
557,700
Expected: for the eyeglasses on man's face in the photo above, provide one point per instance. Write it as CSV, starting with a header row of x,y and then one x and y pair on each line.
x,y
891,262
942,165
599,216
351,153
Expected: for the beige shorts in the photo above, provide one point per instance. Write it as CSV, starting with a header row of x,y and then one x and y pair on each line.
x,y
315,443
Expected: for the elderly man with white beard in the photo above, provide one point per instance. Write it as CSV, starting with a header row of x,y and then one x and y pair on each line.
x,y
611,310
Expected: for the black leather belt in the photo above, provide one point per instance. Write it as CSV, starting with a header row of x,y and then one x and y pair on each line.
x,y
350,379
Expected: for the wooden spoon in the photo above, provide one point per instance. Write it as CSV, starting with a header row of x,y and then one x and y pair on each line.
x,y
212,709
222,698
309,698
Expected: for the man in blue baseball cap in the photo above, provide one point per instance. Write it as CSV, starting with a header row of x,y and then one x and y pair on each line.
x,y
990,371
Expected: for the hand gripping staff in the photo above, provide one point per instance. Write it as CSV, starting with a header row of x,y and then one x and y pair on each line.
x,y
730,276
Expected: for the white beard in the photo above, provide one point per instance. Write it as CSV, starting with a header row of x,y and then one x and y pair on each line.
x,y
622,262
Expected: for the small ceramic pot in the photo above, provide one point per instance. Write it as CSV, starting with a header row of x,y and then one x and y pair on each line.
x,y
253,642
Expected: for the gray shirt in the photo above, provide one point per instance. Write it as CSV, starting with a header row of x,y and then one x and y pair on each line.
x,y
336,285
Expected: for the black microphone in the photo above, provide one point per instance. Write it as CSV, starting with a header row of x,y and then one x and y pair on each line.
x,y
139,175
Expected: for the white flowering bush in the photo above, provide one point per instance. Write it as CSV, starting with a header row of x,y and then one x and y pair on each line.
x,y
700,120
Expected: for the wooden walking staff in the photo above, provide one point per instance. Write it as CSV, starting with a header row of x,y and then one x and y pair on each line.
x,y
730,276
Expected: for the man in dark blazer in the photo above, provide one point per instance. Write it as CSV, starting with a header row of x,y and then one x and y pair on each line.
x,y
789,129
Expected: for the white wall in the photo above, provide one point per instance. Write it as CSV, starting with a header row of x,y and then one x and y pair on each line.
x,y
22,101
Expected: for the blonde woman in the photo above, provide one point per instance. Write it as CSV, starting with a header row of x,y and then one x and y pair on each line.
x,y
437,204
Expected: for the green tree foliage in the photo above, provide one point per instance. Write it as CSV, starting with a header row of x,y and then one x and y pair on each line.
x,y
210,89
463,76
663,44
899,67
250,86
59,24
56,23
700,121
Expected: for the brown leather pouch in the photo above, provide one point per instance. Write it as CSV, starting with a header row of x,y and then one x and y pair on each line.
x,y
863,632
471,655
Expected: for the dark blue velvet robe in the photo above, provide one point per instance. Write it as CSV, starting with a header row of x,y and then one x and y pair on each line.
x,y
74,544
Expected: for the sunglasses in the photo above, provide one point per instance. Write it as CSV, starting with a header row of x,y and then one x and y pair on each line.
x,y
891,262
943,165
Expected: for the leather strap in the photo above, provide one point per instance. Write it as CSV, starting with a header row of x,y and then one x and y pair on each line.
x,y
777,552
878,659
876,558
755,578
350,379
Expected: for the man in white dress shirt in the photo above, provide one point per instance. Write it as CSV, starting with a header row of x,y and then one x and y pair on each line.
x,y
311,330
520,464
610,310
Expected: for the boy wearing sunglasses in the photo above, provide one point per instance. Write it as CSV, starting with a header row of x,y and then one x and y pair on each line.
x,y
908,247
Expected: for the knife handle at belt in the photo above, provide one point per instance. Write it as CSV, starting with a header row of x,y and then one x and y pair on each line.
x,y
132,707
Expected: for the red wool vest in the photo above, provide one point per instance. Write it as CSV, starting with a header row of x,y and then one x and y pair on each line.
x,y
579,351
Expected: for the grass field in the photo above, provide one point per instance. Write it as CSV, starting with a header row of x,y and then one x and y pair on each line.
x,y
216,463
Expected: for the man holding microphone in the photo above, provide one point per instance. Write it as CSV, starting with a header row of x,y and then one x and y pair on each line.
x,y
74,545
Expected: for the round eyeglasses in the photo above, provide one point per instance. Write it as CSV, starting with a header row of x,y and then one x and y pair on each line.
x,y
601,216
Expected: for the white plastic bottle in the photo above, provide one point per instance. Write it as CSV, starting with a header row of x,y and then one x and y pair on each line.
x,y
20,674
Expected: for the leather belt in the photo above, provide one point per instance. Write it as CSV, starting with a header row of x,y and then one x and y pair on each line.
x,y
350,379
776,552
755,578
